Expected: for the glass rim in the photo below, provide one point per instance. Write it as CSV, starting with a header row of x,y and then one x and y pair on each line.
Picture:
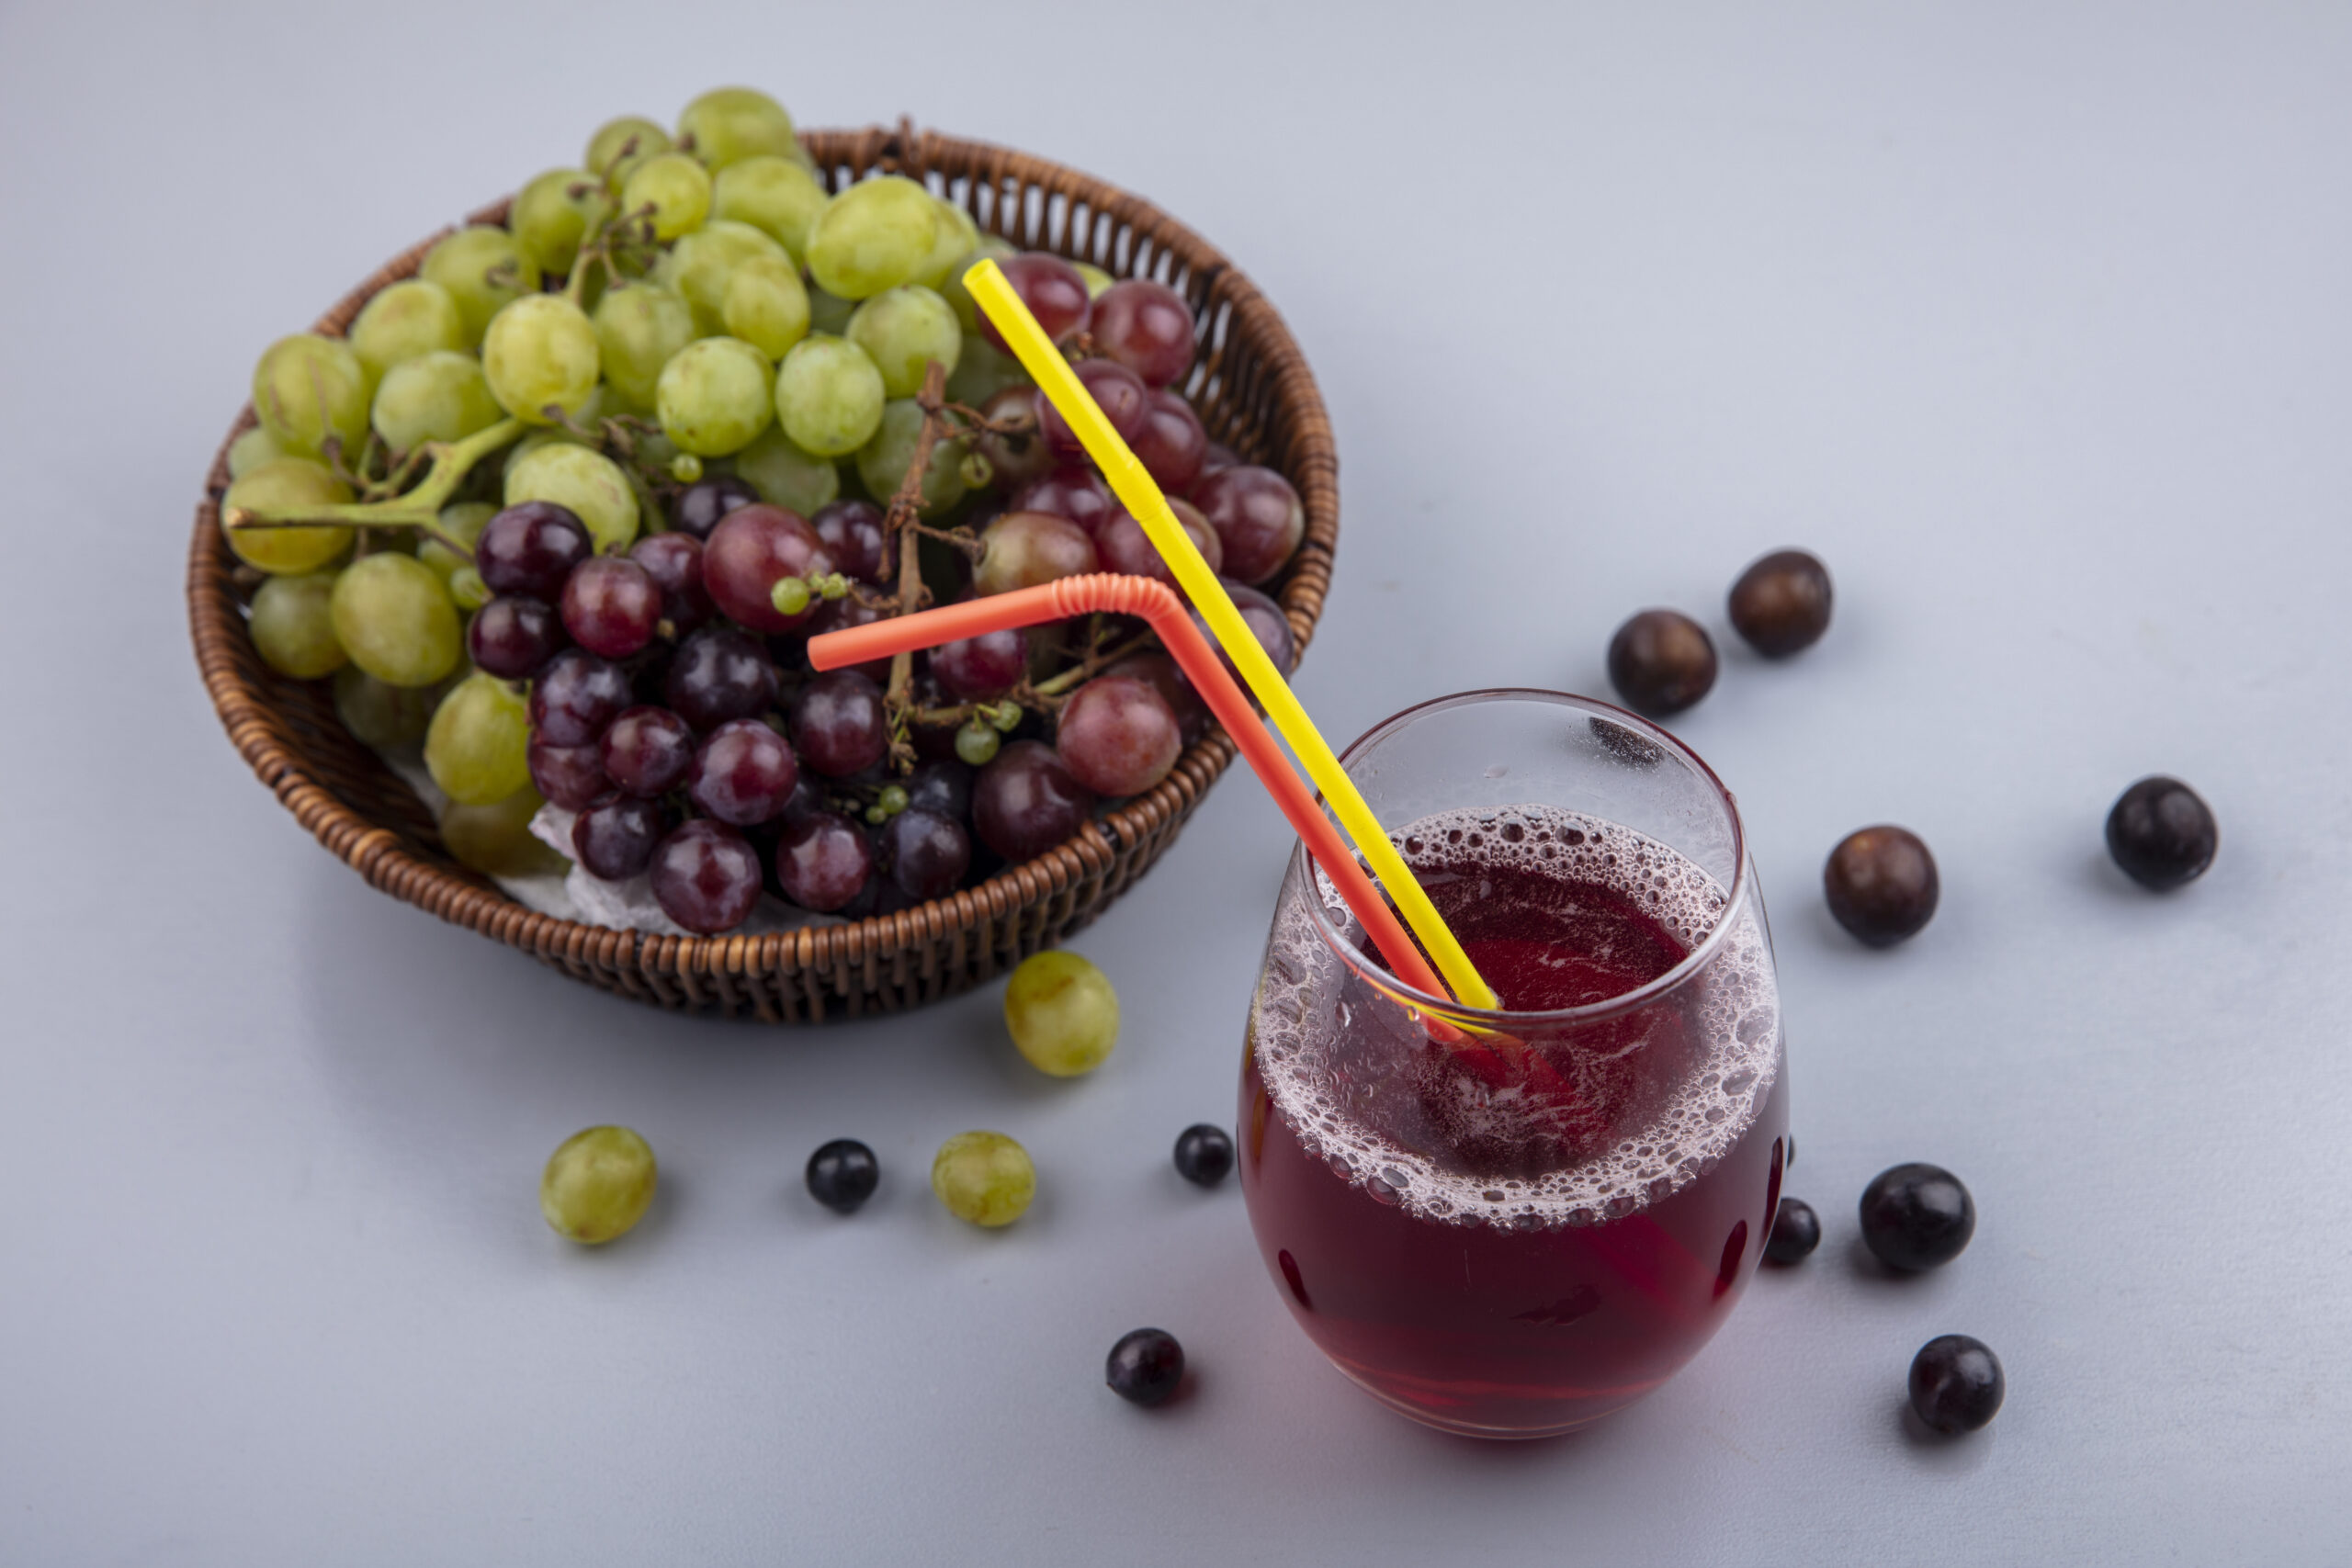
x,y
1378,974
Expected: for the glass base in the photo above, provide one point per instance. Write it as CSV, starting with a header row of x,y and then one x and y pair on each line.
x,y
1471,1428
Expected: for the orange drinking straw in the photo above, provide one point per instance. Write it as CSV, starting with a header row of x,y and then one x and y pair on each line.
x,y
1159,606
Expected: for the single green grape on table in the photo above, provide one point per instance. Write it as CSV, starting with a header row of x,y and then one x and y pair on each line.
x,y
483,270
309,388
638,329
541,354
554,213
1062,1012
287,481
293,626
478,746
440,396
883,462
587,481
407,320
395,617
773,195
675,187
620,145
902,330
597,1184
714,395
829,396
726,125
984,1177
876,235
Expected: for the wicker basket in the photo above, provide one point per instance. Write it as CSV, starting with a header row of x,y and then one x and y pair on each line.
x,y
1253,391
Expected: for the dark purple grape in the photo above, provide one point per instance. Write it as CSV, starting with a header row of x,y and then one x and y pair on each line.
x,y
840,615
1145,1366
611,606
852,534
571,776
944,787
1025,802
1215,461
981,668
1078,494
513,637
1258,515
1147,327
530,549
843,1175
648,752
1117,736
823,861
1797,1231
1118,392
1124,546
1026,549
720,673
1052,290
1204,1153
702,503
1161,673
1781,603
1266,618
1661,661
1916,1216
575,697
674,562
1956,1385
752,549
2161,833
808,799
744,773
837,724
933,742
705,876
927,853
1882,885
1169,441
615,837
1018,458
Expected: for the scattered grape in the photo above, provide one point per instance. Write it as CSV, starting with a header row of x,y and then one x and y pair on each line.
x,y
597,1184
1781,603
984,1177
705,876
2161,833
1797,1231
1062,1012
405,320
477,746
1204,1153
483,270
1916,1216
843,1175
1145,1366
1661,661
1881,885
1956,1385
293,626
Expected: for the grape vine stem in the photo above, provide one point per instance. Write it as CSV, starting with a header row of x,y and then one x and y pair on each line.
x,y
419,509
900,519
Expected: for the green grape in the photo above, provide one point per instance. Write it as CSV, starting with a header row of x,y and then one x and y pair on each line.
x,y
308,390
1096,278
976,742
902,330
883,462
828,313
1062,1012
677,189
699,266
875,235
982,370
380,713
785,476
465,262
406,320
775,195
496,839
984,1177
462,522
287,481
597,1184
714,395
992,247
583,479
727,125
554,213
467,590
766,306
638,329
441,395
620,145
252,449
477,746
685,468
395,617
829,396
540,351
293,628
958,237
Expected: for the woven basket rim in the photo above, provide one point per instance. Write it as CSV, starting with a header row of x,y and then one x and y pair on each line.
x,y
380,852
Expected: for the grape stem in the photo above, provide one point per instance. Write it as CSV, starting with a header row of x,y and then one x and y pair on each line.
x,y
419,509
899,517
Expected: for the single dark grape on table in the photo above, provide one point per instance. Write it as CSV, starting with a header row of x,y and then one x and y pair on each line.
x,y
2161,833
1051,288
851,532
981,668
613,839
1881,884
743,773
1117,736
611,606
1026,549
927,853
701,504
752,549
1916,1216
575,697
1956,1385
513,637
1145,1366
705,876
530,549
1661,661
839,727
1078,494
720,673
1204,1153
823,861
1025,801
1797,1231
674,562
1781,603
648,752
1118,392
1146,326
843,1175
1169,442
571,776
1258,515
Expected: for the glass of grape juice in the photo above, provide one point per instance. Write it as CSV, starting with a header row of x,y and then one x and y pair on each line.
x,y
1510,1223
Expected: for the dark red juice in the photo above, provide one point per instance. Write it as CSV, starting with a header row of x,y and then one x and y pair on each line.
x,y
1518,1233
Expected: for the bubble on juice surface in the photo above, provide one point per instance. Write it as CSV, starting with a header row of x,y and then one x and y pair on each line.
x,y
1371,1108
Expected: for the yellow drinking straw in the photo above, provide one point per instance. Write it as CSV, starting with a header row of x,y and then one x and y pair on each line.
x,y
1141,496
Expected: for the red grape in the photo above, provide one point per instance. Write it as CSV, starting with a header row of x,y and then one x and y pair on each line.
x,y
927,853
744,773
615,837
1118,392
823,861
530,549
1258,515
1215,460
933,742
702,503
752,549
513,638
1163,675
1124,546
1026,549
719,674
575,697
1169,441
571,776
944,787
1117,736
1078,494
674,562
1147,327
851,532
648,750
1266,618
837,724
705,876
981,668
1052,290
1015,459
840,615
1025,801
611,606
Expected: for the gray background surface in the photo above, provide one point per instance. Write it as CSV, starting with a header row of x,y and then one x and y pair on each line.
x,y
2032,321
